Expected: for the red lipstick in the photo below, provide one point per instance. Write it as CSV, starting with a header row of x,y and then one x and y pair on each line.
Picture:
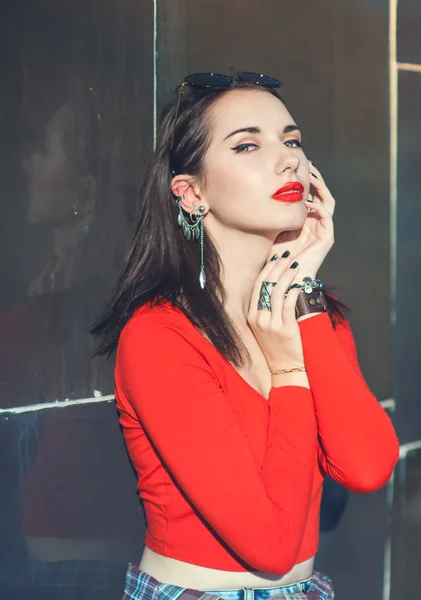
x,y
290,192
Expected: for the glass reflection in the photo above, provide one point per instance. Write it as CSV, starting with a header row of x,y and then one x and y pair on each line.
x,y
62,195
77,211
406,528
70,517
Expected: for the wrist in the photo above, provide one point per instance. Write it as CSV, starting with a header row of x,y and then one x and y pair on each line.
x,y
309,316
300,369
308,272
311,299
287,379
311,274
287,364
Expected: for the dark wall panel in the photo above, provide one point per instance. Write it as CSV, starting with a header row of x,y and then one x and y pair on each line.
x,y
69,511
406,524
76,124
409,28
352,553
407,338
406,530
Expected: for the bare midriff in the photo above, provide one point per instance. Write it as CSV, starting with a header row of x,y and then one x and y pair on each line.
x,y
187,575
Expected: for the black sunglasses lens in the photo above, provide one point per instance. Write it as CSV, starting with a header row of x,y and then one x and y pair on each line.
x,y
208,80
259,79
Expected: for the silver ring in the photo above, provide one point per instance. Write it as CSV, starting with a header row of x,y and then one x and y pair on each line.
x,y
265,294
293,287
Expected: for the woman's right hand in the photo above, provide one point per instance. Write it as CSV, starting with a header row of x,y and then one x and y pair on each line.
x,y
277,331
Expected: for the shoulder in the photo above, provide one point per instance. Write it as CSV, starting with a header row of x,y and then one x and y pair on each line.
x,y
154,314
159,346
160,327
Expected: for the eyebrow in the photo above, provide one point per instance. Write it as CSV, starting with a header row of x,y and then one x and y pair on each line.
x,y
286,129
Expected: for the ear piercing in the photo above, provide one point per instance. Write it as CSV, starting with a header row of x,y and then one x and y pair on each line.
x,y
193,231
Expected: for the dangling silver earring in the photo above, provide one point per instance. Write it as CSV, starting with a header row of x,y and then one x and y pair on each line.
x,y
193,231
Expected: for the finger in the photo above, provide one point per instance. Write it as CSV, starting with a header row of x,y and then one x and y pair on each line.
x,y
323,190
279,267
288,313
324,195
265,275
324,217
278,293
316,172
318,207
259,316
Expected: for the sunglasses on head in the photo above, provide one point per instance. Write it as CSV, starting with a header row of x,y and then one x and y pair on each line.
x,y
218,80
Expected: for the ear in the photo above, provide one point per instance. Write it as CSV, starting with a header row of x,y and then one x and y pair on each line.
x,y
183,185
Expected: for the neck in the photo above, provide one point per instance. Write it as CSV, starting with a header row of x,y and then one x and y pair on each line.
x,y
243,255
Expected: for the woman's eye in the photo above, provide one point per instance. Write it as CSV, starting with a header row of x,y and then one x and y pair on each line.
x,y
294,144
244,147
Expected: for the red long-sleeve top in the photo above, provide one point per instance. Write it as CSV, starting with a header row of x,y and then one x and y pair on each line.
x,y
230,480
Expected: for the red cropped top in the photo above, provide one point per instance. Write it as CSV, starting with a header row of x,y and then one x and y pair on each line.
x,y
230,480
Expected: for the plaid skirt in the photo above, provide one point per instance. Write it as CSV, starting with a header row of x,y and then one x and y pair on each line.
x,y
141,586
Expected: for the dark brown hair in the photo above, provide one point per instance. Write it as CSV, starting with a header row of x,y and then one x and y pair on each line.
x,y
161,265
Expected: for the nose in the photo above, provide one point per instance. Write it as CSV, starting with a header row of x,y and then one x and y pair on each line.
x,y
287,160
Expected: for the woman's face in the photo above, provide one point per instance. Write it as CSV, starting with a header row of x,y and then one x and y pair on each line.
x,y
244,169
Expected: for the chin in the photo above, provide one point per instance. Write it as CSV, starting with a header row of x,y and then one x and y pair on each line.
x,y
293,216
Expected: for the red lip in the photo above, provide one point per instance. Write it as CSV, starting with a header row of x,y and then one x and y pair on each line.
x,y
290,192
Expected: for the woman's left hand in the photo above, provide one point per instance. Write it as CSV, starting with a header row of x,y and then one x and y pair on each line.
x,y
311,244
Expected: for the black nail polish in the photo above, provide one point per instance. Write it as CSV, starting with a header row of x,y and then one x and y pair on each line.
x,y
310,200
286,254
315,176
274,257
294,265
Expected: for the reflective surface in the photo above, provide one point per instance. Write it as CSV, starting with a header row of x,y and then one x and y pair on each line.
x,y
406,529
408,342
75,117
70,516
406,512
409,27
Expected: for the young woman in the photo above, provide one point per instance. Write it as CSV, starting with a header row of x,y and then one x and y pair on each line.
x,y
237,381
